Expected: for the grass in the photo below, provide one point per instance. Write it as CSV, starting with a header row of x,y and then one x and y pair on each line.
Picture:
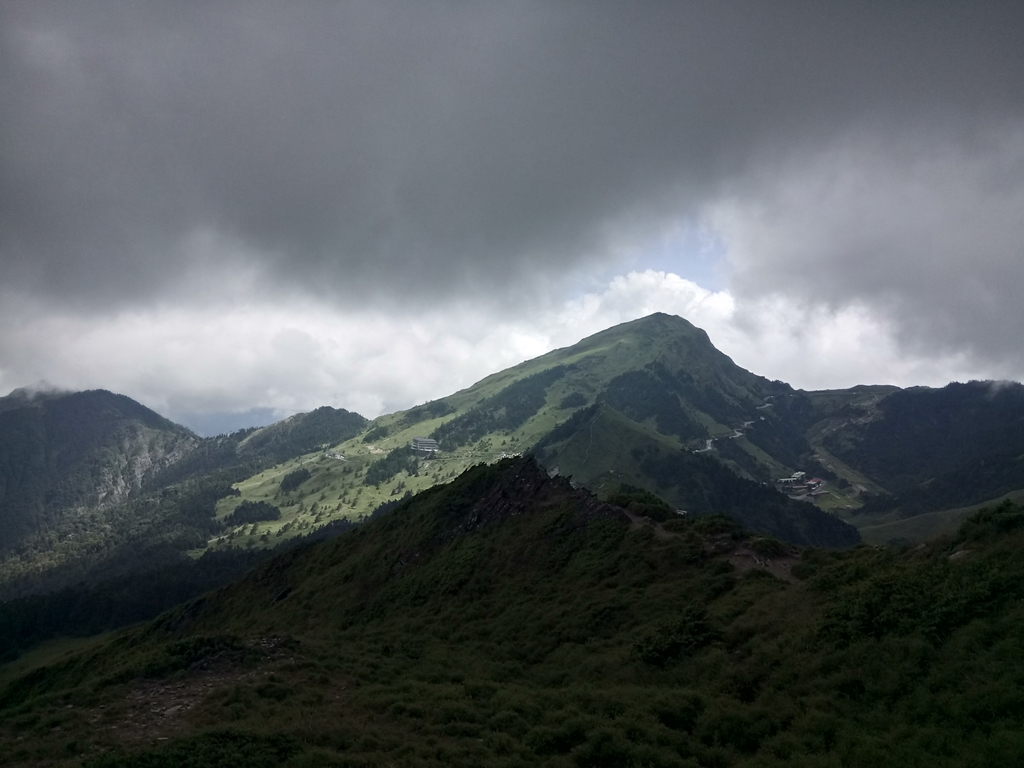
x,y
48,654
336,488
842,469
929,525
776,469
602,453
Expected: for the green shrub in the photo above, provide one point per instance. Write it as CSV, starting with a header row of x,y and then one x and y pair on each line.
x,y
991,522
573,400
683,636
679,710
643,503
717,524
768,546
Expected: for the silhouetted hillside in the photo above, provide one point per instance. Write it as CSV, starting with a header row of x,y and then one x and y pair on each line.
x,y
935,449
508,619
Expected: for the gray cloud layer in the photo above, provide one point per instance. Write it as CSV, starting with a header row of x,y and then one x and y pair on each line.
x,y
436,146
930,239
367,153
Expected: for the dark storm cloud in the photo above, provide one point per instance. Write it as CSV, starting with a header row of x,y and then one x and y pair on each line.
x,y
930,241
371,149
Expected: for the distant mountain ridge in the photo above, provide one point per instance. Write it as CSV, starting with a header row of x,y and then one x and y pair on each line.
x,y
71,451
650,404
91,478
665,392
674,393
659,367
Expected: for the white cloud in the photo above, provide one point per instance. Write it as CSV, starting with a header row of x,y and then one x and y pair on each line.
x,y
924,235
301,355
807,345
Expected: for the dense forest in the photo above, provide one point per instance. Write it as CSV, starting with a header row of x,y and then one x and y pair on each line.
x,y
649,394
77,450
303,433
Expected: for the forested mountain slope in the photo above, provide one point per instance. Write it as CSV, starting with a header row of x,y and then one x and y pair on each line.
x,y
65,453
606,451
95,486
507,619
940,448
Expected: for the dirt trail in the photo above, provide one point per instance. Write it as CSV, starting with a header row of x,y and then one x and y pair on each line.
x,y
156,710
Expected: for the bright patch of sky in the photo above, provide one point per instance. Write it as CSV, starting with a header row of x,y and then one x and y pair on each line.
x,y
690,251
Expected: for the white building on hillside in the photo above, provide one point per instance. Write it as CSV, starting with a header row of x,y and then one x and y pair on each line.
x,y
425,445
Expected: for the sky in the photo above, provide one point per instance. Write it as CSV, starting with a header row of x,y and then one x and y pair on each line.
x,y
234,211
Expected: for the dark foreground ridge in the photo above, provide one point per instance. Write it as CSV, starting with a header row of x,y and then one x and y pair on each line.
x,y
506,619
524,485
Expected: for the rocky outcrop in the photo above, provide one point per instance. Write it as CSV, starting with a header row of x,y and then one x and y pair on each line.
x,y
524,485
64,453
138,455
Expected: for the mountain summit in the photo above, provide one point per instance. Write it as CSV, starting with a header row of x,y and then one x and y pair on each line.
x,y
627,408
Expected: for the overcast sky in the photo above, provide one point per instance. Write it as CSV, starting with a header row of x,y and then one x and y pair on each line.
x,y
256,208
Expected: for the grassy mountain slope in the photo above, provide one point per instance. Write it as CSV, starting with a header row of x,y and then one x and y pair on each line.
x,y
605,450
659,370
661,374
505,619
916,528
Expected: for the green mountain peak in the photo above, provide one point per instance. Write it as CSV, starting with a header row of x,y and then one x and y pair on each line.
x,y
661,385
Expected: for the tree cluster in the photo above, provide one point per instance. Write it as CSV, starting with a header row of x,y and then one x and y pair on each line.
x,y
252,512
294,479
